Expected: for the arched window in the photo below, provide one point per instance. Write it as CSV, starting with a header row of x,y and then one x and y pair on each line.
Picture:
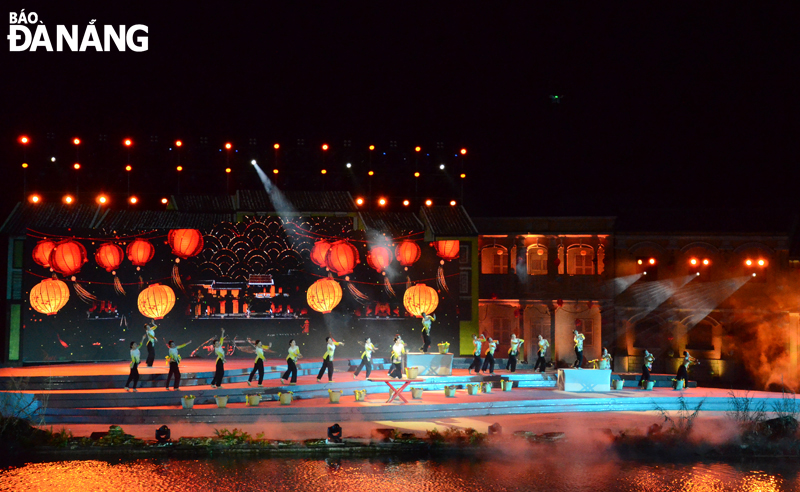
x,y
494,260
700,337
537,260
580,260
601,260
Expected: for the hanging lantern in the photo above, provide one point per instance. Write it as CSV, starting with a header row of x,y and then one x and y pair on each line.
x,y
447,250
341,258
318,253
49,295
324,295
185,243
407,253
67,257
139,252
109,256
420,299
379,258
156,301
41,252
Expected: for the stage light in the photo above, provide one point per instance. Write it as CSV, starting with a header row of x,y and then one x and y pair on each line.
x,y
697,274
652,261
429,202
128,142
359,201
334,433
76,166
382,202
52,159
348,165
441,166
639,262
179,168
23,140
253,162
164,201
418,148
693,261
370,173
228,146
463,151
76,141
452,203
228,170
34,198
754,274
24,165
371,147
406,203
128,167
645,273
133,200
276,146
324,171
706,262
162,434
324,146
463,175
416,175
748,262
102,199
178,143
68,199
761,262
274,171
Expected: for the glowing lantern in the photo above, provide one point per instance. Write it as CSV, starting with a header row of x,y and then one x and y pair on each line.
x,y
407,253
341,258
324,295
49,295
379,258
420,299
185,243
67,257
41,252
140,251
109,256
156,301
318,253
447,250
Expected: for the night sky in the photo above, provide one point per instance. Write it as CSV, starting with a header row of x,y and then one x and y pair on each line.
x,y
671,105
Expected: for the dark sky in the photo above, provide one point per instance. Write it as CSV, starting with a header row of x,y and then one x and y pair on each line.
x,y
681,104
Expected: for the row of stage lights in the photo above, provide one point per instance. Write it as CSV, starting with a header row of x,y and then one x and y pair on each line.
x,y
99,199
384,202
696,262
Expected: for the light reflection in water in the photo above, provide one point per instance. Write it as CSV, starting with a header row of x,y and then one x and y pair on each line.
x,y
343,475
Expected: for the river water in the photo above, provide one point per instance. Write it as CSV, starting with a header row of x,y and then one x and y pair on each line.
x,y
522,473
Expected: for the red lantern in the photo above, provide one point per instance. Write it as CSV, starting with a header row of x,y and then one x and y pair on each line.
x,y
319,252
185,243
341,258
109,256
420,299
140,251
67,257
379,258
49,295
41,252
448,249
407,253
156,301
324,295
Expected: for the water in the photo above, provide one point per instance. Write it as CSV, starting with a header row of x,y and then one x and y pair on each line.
x,y
588,473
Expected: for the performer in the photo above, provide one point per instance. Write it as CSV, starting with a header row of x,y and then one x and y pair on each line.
x,y
578,339
327,359
259,362
647,366
604,362
541,362
134,374
476,353
174,360
366,358
398,349
489,359
291,359
516,343
220,352
149,331
683,370
426,331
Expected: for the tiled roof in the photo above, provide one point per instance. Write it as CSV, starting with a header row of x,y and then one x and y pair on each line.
x,y
50,215
131,220
302,201
395,223
544,225
446,221
203,203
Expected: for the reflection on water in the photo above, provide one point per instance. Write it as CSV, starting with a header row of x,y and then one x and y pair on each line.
x,y
307,475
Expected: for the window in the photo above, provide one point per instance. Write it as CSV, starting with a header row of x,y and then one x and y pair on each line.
x,y
561,259
587,328
580,260
601,260
648,334
501,329
494,260
539,326
463,282
463,257
537,260
700,337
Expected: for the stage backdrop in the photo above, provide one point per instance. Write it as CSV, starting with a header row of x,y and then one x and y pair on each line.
x,y
250,278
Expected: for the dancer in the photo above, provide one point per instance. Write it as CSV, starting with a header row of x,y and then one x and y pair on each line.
x,y
683,370
149,332
476,353
516,343
489,359
647,366
134,374
578,339
398,349
366,358
327,359
541,362
604,362
291,359
259,362
426,331
220,352
174,360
